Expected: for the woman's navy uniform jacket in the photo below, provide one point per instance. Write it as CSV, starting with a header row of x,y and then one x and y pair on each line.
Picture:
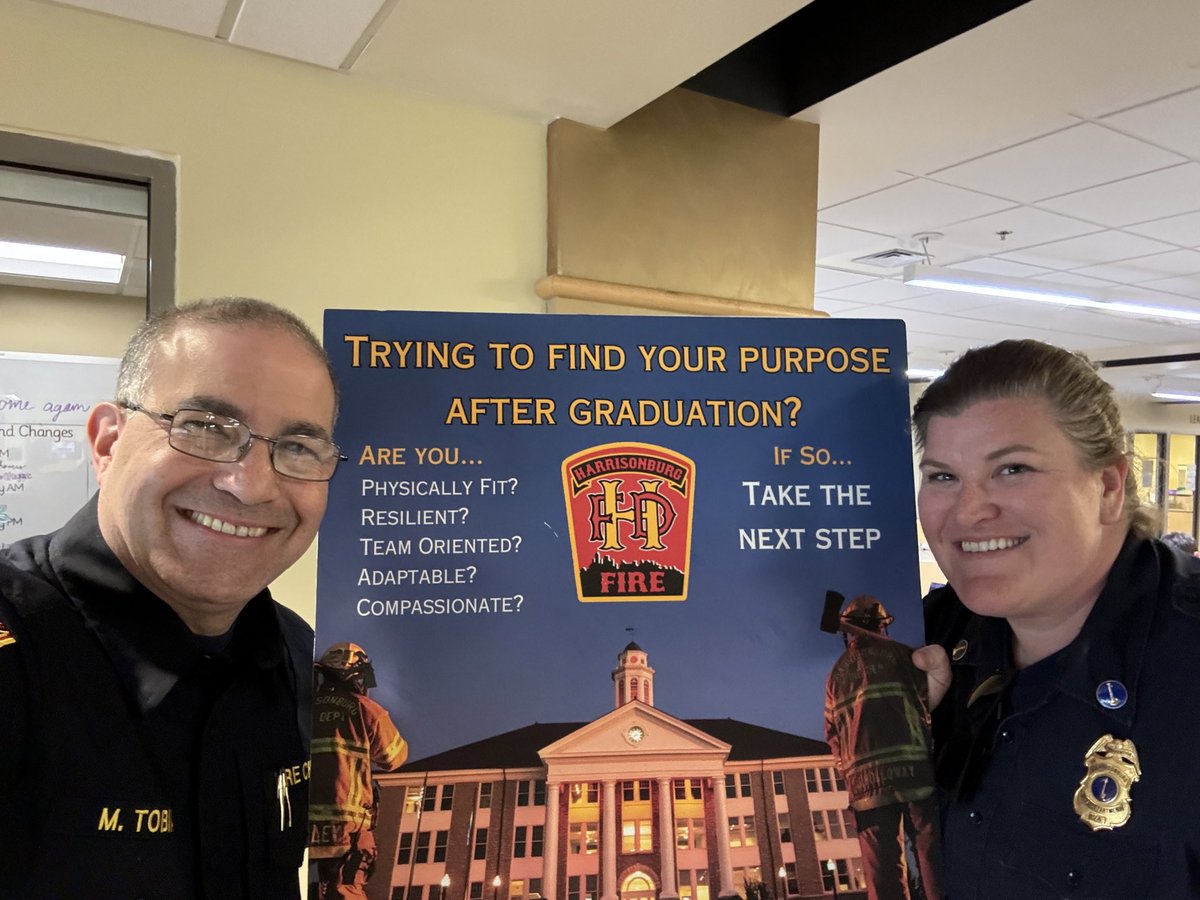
x,y
137,761
1012,749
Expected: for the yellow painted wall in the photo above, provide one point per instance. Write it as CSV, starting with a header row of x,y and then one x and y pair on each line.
x,y
296,184
82,324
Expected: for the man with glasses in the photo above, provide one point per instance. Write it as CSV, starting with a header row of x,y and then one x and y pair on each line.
x,y
154,700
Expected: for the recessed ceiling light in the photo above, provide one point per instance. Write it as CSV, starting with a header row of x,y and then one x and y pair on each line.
x,y
1178,398
68,263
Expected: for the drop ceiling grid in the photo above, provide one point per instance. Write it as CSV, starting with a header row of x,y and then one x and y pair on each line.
x,y
1074,158
1147,268
836,240
1168,121
1182,230
1071,323
1139,198
199,17
1028,226
905,208
1087,250
314,31
994,265
877,291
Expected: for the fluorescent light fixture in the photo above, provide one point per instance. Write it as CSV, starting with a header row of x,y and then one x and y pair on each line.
x,y
944,279
923,374
44,261
1178,398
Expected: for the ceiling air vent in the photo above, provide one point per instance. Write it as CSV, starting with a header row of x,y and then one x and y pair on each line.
x,y
891,259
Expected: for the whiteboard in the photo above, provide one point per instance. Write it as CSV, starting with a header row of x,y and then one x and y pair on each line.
x,y
45,460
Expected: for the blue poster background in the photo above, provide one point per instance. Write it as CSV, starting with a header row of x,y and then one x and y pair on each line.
x,y
745,644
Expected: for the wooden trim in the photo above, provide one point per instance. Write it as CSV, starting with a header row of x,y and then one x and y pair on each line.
x,y
606,292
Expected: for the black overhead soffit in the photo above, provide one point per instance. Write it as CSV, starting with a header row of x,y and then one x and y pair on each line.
x,y
830,45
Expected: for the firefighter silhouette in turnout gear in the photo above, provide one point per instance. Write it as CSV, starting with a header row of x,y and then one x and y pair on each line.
x,y
351,733
877,725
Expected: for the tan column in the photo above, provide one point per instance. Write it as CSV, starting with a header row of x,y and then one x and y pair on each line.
x,y
550,846
725,873
608,826
669,889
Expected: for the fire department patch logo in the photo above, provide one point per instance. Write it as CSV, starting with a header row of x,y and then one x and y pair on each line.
x,y
6,636
629,508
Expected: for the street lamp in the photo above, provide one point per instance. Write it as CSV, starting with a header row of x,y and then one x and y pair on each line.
x,y
832,867
782,873
445,883
495,887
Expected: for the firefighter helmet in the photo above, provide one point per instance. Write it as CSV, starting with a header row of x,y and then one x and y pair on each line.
x,y
867,612
349,663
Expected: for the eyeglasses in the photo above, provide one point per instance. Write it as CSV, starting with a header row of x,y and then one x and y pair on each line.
x,y
218,438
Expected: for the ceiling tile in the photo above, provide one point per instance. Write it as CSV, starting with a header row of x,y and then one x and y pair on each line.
x,y
914,206
1169,122
1168,192
1183,230
991,265
1087,250
315,31
856,183
827,279
1147,268
933,323
834,307
1124,330
1026,226
936,349
1072,279
834,240
1070,323
944,303
195,16
1018,312
879,290
1187,286
1078,157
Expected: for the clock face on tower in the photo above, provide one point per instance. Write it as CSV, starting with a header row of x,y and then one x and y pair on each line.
x,y
634,734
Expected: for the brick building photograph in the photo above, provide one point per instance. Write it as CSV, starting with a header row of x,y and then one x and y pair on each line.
x,y
633,805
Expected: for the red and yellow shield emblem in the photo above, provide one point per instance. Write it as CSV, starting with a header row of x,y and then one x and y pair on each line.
x,y
629,508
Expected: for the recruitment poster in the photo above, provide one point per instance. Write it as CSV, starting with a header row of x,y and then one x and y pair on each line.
x,y
526,495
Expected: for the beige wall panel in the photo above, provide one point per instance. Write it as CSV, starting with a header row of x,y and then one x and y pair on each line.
x,y
689,194
83,324
297,184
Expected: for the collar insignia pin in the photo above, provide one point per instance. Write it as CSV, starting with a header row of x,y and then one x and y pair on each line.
x,y
1102,799
1111,694
959,651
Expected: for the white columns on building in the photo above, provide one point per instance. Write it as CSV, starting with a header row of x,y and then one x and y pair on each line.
x,y
608,819
550,860
725,875
668,890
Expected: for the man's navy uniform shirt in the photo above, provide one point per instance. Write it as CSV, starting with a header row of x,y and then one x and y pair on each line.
x,y
139,760
1009,765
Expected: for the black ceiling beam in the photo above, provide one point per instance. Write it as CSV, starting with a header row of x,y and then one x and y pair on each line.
x,y
830,45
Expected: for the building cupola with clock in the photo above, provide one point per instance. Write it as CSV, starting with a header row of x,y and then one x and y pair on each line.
x,y
633,679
